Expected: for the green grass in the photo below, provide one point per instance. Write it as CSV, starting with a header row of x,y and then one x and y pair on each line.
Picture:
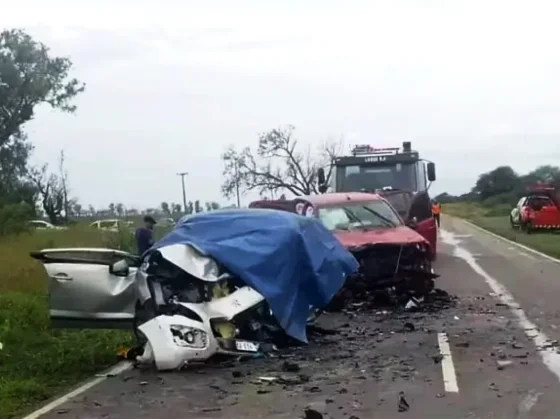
x,y
485,217
37,363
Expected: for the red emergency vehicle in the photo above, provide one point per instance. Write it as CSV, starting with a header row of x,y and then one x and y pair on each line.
x,y
540,209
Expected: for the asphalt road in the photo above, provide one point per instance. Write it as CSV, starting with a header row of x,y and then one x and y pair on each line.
x,y
497,339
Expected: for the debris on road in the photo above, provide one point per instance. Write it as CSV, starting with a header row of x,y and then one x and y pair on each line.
x,y
503,364
403,405
290,366
312,414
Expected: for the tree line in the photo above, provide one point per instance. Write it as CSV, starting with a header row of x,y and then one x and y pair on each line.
x,y
165,209
504,186
29,77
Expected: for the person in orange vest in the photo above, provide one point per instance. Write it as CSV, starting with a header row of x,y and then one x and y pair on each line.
x,y
436,211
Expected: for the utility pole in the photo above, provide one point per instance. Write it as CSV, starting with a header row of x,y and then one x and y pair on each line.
x,y
237,184
183,174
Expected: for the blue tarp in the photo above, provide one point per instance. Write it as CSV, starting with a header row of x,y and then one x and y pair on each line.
x,y
294,262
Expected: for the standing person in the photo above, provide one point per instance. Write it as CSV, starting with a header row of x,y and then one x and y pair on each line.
x,y
145,235
436,211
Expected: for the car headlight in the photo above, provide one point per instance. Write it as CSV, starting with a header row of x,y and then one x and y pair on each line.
x,y
191,337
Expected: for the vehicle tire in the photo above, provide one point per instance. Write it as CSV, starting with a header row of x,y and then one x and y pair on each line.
x,y
527,227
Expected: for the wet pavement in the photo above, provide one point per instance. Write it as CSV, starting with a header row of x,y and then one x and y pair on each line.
x,y
386,364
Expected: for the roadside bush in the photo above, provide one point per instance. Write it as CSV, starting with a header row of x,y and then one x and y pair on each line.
x,y
500,210
506,199
14,218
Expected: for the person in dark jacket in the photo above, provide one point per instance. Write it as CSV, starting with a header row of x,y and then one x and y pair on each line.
x,y
145,235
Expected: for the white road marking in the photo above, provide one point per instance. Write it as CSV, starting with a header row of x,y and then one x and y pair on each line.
x,y
527,255
528,249
527,404
447,367
117,369
550,357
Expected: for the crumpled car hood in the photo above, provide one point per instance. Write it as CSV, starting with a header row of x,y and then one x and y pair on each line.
x,y
397,235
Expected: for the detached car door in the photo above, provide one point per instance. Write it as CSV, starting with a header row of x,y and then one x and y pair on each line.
x,y
90,287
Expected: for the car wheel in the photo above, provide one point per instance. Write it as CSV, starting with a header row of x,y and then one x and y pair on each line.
x,y
526,227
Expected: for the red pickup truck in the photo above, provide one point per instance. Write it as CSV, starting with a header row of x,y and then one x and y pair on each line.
x,y
390,253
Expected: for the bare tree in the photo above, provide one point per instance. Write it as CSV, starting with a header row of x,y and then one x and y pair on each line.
x,y
64,184
51,193
54,191
278,165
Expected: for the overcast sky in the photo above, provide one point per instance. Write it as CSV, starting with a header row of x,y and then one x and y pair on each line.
x,y
473,84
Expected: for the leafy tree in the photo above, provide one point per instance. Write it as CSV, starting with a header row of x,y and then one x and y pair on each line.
x,y
208,206
119,208
214,206
543,174
29,76
112,208
13,218
190,208
165,208
501,180
197,207
278,164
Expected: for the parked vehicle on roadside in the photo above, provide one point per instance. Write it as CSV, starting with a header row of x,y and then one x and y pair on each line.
x,y
44,225
222,282
538,210
111,225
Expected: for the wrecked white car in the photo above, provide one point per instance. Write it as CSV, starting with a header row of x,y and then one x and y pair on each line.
x,y
225,282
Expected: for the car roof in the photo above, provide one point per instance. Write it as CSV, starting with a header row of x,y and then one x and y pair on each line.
x,y
339,197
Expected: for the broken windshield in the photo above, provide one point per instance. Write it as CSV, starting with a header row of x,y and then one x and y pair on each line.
x,y
351,216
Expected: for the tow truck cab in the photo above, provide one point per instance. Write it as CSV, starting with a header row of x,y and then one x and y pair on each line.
x,y
397,174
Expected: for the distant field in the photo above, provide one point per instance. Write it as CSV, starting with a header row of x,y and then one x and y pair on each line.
x,y
545,242
37,363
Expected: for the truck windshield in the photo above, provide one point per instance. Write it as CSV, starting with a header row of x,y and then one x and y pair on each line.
x,y
371,177
351,216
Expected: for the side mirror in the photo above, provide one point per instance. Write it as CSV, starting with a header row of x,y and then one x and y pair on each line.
x,y
119,268
412,223
431,172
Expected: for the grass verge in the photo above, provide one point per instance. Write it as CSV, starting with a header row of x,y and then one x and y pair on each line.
x,y
546,242
37,363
